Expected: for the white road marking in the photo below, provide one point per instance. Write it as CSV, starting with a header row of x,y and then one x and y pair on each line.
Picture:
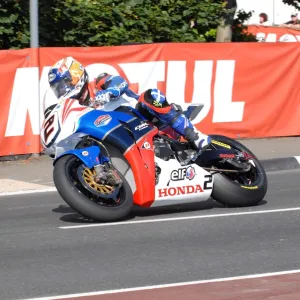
x,y
46,190
183,218
170,285
16,187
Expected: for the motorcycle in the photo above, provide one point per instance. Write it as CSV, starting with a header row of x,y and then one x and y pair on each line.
x,y
105,162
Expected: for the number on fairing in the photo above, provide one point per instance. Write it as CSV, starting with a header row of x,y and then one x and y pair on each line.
x,y
48,128
51,129
208,182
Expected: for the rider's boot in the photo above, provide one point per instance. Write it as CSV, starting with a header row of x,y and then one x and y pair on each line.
x,y
183,126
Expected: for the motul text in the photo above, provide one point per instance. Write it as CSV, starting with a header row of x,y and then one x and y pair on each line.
x,y
27,84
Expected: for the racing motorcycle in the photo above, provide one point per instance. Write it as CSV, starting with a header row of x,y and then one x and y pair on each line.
x,y
105,162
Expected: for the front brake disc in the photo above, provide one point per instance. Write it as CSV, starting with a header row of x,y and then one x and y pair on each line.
x,y
87,177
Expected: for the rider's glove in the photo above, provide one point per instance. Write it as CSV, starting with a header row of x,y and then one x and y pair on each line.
x,y
114,92
102,97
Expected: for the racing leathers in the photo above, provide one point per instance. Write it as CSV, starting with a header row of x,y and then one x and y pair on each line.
x,y
109,88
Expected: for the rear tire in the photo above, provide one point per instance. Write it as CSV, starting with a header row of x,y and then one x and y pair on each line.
x,y
230,193
80,202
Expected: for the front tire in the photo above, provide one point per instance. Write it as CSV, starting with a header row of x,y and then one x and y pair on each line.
x,y
231,193
75,195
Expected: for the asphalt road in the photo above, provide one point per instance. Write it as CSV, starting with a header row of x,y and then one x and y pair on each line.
x,y
37,258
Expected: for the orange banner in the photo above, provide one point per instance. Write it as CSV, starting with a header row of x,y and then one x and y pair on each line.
x,y
18,111
248,89
274,34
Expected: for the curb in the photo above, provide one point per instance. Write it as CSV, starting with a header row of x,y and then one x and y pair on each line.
x,y
281,164
19,157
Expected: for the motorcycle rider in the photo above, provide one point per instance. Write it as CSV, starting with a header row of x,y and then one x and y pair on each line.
x,y
68,76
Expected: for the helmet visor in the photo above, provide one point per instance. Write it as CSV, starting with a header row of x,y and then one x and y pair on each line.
x,y
62,87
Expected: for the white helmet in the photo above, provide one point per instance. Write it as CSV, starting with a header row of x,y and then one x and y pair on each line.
x,y
69,77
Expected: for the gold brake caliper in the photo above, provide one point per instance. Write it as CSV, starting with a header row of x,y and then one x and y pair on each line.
x,y
89,178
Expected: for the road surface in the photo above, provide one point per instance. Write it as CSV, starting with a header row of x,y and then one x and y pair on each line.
x,y
47,249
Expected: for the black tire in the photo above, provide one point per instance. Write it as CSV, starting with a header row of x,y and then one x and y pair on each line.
x,y
230,193
83,205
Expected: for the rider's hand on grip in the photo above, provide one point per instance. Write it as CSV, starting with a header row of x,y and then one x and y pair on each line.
x,y
102,97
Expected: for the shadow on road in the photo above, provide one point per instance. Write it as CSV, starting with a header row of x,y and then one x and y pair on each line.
x,y
73,217
70,216
219,205
172,209
63,209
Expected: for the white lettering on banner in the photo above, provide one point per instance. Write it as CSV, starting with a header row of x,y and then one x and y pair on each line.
x,y
176,77
146,74
176,84
202,87
25,98
96,69
224,109
272,37
289,38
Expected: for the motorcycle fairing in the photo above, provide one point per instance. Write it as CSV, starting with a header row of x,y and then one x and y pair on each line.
x,y
60,122
89,156
119,131
188,189
141,159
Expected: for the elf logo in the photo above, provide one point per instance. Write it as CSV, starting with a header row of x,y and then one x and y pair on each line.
x,y
183,173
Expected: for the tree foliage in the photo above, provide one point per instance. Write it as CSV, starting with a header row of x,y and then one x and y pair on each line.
x,y
14,24
110,22
240,33
295,3
106,22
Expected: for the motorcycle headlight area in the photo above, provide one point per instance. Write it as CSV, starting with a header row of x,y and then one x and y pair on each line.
x,y
68,143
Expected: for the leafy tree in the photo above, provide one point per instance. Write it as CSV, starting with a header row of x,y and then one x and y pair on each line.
x,y
295,3
14,24
115,22
233,29
240,33
110,22
49,20
107,22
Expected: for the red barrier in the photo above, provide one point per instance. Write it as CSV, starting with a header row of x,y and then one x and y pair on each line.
x,y
18,111
274,34
248,89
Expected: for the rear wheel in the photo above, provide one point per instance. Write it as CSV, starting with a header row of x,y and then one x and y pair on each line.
x,y
240,189
102,202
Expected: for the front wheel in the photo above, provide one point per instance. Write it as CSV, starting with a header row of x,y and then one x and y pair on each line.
x,y
75,184
239,190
